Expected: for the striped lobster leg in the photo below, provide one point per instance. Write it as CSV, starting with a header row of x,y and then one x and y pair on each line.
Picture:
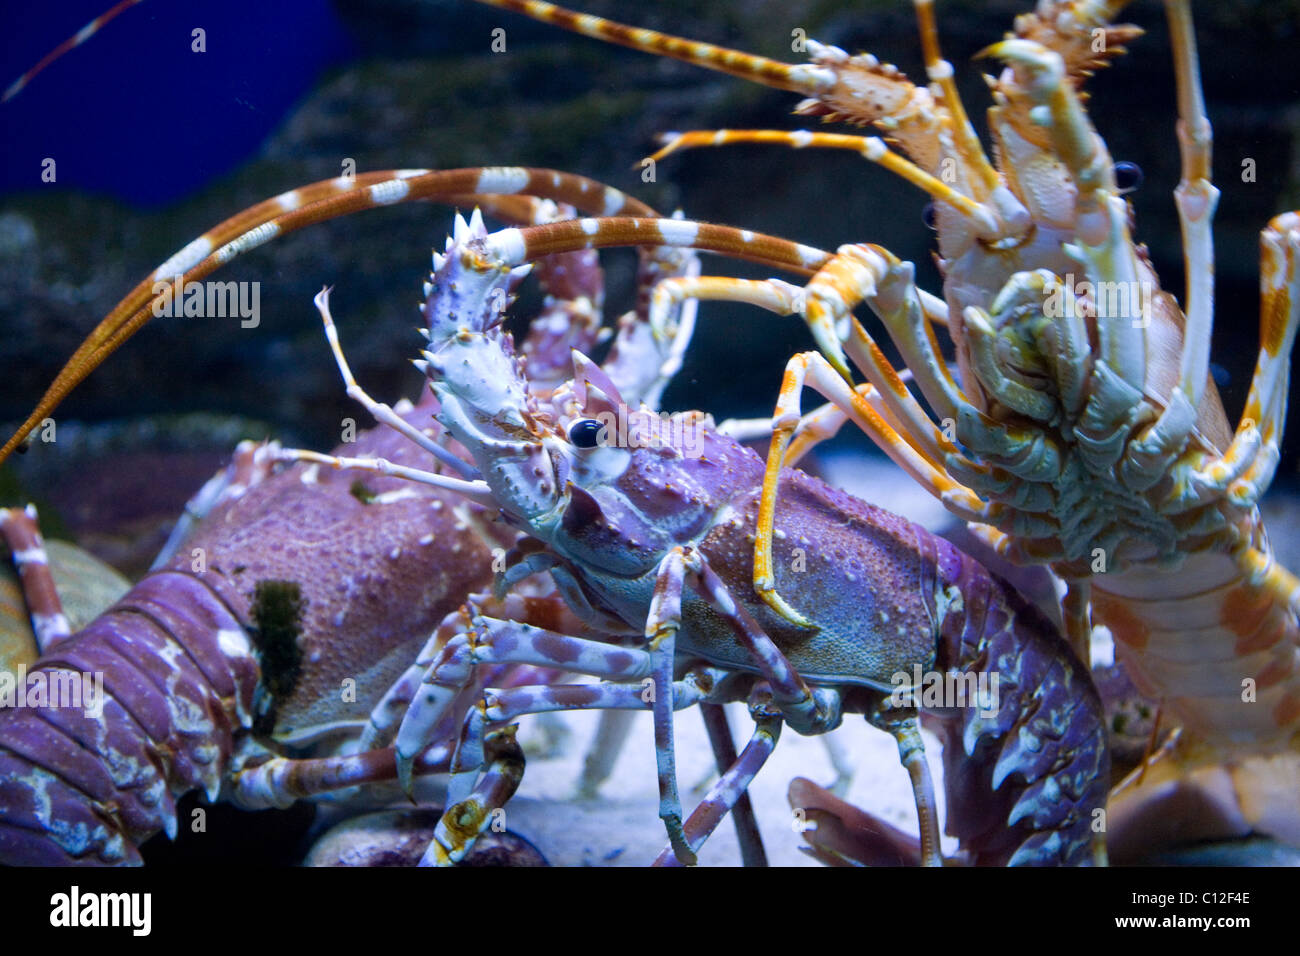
x,y
22,534
732,786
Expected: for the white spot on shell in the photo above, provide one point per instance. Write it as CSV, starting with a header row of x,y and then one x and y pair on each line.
x,y
233,642
502,179
389,191
400,494
808,255
873,147
249,240
508,245
818,76
940,71
677,232
186,259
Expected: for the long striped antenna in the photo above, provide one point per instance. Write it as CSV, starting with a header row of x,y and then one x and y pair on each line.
x,y
78,38
294,209
331,198
859,90
797,78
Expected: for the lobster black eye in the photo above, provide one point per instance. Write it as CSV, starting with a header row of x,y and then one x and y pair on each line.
x,y
1128,176
586,433
927,215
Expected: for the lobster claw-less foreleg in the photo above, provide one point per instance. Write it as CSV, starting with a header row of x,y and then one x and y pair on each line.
x,y
808,711
734,778
627,683
643,677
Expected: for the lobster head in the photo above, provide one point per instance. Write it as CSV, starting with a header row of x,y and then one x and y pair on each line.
x,y
608,485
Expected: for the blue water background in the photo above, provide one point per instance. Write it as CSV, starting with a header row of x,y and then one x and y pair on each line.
x,y
133,112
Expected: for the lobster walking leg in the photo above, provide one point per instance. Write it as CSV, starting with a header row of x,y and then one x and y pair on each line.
x,y
23,535
281,781
904,726
742,810
730,793
464,820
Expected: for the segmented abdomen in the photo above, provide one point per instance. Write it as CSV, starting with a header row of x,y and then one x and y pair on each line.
x,y
1221,654
178,681
1023,784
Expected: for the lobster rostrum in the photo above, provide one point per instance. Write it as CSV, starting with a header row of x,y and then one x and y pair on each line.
x,y
648,523
1080,428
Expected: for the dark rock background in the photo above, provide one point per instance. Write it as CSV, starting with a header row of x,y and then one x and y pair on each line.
x,y
422,88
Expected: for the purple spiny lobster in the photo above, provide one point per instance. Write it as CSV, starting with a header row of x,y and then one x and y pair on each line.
x,y
633,507
183,682
192,700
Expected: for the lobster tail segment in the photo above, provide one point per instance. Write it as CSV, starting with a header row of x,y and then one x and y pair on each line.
x,y
136,709
1026,772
